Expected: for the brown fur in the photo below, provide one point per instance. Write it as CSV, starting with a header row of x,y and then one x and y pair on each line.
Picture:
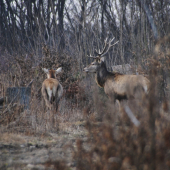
x,y
116,85
52,73
125,86
53,87
119,86
51,82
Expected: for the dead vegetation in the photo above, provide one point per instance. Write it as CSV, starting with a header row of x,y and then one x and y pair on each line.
x,y
97,134
120,143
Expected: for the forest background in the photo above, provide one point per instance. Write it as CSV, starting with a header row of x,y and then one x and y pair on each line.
x,y
52,33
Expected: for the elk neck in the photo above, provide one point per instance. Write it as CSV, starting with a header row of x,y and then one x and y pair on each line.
x,y
51,74
101,74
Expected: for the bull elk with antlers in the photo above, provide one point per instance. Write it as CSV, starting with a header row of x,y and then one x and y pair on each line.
x,y
52,90
117,86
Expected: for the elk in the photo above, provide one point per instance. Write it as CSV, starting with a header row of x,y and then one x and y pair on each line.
x,y
117,86
51,89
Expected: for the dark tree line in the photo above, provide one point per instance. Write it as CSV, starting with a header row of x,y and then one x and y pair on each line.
x,y
81,26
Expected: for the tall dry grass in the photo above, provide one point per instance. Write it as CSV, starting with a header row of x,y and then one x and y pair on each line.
x,y
134,136
25,70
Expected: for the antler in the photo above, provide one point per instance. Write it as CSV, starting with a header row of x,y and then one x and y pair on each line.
x,y
108,45
92,56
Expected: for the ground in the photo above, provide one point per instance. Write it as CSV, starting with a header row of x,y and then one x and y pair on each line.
x,y
27,152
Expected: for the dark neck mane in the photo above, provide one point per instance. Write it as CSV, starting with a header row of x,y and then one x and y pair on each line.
x,y
102,74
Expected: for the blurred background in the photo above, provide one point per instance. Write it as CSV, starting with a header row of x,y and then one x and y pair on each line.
x,y
53,33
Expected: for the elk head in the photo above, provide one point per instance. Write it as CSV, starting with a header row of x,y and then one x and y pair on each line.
x,y
99,59
52,73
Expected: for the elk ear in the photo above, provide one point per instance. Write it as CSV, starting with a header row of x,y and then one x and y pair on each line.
x,y
102,59
45,70
58,70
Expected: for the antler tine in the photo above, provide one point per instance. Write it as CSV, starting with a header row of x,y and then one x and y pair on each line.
x,y
91,56
105,41
110,45
114,44
111,40
104,48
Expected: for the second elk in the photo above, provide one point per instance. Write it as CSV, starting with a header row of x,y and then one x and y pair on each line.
x,y
117,86
52,90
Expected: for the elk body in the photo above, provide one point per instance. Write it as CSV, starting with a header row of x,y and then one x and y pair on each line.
x,y
117,86
52,90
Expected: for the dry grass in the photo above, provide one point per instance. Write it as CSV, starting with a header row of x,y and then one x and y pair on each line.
x,y
9,138
135,136
140,141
